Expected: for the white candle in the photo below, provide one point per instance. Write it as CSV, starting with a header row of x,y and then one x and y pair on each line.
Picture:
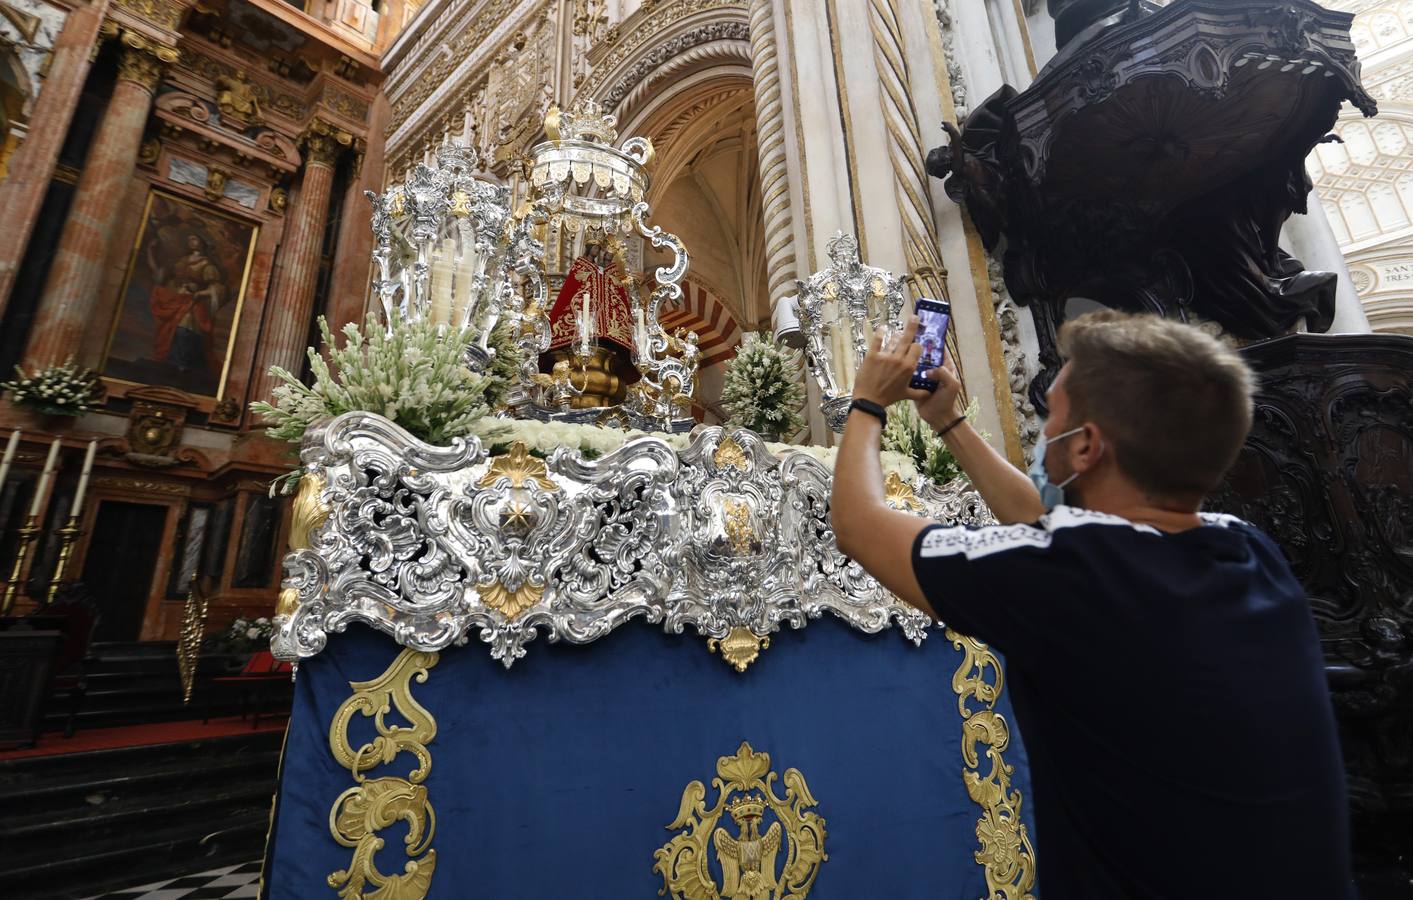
x,y
10,450
642,332
584,327
44,476
83,478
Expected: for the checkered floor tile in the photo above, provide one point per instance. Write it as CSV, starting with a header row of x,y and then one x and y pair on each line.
x,y
228,882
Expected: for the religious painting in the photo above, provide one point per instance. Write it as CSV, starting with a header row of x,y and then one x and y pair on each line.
x,y
181,300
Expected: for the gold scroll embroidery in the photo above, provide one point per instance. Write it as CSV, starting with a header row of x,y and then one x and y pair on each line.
x,y
371,805
1006,853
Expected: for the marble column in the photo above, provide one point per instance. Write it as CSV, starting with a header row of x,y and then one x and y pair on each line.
x,y
22,192
292,302
70,296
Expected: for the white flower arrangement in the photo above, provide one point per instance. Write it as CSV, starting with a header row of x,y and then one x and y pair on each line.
x,y
63,390
762,389
245,634
908,435
413,373
543,438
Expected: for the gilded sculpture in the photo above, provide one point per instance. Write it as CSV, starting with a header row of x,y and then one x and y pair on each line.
x,y
237,100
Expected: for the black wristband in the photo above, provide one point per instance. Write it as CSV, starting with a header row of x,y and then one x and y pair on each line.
x,y
872,409
955,422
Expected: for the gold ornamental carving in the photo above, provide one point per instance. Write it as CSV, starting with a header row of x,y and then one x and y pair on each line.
x,y
729,455
740,647
307,515
189,641
372,805
162,13
279,199
1006,853
143,61
216,178
322,143
749,859
900,495
519,466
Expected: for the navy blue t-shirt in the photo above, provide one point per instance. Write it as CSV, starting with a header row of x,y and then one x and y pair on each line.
x,y
1172,698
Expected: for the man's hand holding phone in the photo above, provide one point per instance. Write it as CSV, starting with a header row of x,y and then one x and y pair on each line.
x,y
939,408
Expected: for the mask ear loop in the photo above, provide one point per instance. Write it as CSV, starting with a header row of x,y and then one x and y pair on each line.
x,y
1073,475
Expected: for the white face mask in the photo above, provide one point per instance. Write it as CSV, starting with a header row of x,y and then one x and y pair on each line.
x,y
1051,494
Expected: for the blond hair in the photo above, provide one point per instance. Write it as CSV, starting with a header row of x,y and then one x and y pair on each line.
x,y
1174,402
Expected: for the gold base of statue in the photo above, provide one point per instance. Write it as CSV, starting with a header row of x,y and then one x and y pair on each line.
x,y
600,384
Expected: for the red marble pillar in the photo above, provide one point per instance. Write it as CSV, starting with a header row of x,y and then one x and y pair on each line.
x,y
71,293
353,258
22,192
292,302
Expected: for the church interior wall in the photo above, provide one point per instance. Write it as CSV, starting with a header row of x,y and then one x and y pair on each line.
x,y
224,148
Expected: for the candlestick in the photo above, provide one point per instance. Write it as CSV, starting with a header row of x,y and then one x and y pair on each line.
x,y
10,449
67,535
24,536
44,476
83,478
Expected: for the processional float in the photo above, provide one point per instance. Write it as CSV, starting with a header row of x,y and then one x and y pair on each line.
x,y
842,760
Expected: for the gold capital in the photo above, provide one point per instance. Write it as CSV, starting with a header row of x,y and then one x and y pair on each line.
x,y
322,142
143,61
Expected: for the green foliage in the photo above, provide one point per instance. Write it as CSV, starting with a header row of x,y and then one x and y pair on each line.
x,y
54,390
413,376
763,390
908,434
505,366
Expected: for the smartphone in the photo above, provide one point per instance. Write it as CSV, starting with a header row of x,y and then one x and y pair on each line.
x,y
933,318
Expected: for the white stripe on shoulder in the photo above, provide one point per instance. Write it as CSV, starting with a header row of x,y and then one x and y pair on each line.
x,y
1221,519
978,542
1072,516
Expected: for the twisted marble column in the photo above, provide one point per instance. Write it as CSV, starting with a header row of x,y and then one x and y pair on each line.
x,y
70,296
770,138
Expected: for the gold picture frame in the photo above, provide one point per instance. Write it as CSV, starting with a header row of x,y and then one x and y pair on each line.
x,y
182,298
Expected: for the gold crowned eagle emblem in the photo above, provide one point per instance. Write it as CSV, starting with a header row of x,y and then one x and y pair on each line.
x,y
750,862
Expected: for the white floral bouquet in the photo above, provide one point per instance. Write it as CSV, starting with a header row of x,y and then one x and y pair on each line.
x,y
908,434
63,390
413,373
762,389
244,635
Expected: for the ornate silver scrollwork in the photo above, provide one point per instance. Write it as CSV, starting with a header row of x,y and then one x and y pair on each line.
x,y
431,545
450,249
850,300
583,183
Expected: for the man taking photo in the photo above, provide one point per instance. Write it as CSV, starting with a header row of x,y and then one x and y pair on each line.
x,y
1163,663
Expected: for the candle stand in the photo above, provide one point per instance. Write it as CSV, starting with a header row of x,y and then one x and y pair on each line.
x,y
26,536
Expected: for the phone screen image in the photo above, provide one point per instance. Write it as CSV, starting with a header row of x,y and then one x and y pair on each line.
x,y
933,319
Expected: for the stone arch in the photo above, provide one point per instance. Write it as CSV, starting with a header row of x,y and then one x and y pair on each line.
x,y
703,312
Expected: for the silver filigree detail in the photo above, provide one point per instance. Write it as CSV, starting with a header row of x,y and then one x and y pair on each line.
x,y
852,300
717,536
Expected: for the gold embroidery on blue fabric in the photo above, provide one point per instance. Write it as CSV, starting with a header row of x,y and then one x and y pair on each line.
x,y
1006,853
371,805
748,858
